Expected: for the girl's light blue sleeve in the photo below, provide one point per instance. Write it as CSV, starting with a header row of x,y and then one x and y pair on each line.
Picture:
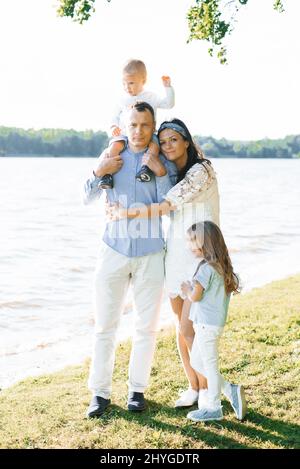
x,y
203,276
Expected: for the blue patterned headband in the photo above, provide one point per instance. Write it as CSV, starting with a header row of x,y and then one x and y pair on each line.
x,y
173,126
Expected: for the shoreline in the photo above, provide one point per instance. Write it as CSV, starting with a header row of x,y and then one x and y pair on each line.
x,y
84,342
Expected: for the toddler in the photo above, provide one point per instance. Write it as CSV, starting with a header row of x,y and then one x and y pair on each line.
x,y
134,79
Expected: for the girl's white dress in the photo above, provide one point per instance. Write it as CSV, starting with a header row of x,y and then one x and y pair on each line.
x,y
196,198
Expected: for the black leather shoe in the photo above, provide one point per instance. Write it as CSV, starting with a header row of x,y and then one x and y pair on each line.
x,y
97,406
145,174
136,401
106,182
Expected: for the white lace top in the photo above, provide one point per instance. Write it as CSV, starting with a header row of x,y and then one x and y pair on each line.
x,y
196,198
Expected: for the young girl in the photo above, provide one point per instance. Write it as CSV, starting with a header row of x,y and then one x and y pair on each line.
x,y
213,283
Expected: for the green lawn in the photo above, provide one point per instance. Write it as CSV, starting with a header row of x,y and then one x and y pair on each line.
x,y
260,348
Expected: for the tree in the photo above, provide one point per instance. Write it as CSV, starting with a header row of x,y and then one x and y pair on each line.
x,y
205,19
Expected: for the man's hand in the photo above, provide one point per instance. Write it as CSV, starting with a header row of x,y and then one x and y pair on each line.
x,y
107,164
153,162
166,81
115,131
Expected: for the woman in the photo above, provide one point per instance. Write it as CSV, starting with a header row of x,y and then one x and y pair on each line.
x,y
194,198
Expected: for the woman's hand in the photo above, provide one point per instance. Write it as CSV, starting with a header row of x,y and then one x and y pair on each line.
x,y
114,211
153,162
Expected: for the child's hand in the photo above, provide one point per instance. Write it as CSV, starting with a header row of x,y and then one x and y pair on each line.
x,y
115,131
154,163
107,165
166,80
186,287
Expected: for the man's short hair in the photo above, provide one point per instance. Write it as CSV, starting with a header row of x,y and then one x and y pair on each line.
x,y
142,106
133,66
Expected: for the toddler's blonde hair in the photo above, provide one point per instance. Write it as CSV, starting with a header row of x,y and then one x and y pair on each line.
x,y
133,66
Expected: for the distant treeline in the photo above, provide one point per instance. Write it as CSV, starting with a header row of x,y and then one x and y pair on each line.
x,y
288,147
51,142
58,142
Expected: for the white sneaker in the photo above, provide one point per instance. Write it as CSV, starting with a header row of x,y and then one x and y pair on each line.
x,y
187,398
238,401
205,415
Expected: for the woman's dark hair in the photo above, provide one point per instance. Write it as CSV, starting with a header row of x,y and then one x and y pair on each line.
x,y
194,152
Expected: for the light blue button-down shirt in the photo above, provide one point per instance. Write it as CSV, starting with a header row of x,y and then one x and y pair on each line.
x,y
140,236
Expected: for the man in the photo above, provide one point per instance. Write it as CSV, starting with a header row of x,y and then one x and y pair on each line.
x,y
132,251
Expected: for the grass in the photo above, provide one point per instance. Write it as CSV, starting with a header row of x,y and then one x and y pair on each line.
x,y
260,348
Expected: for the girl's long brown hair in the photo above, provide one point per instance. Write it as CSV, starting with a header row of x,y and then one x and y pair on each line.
x,y
208,237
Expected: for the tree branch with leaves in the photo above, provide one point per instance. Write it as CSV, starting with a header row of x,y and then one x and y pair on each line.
x,y
208,20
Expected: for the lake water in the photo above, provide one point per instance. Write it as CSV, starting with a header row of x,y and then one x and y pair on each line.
x,y
49,244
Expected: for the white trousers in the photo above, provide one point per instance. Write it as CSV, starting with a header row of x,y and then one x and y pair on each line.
x,y
114,273
205,360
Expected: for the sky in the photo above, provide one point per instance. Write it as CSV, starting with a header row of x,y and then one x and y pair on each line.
x,y
55,73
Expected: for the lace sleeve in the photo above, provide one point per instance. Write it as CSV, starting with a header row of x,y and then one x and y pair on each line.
x,y
198,179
